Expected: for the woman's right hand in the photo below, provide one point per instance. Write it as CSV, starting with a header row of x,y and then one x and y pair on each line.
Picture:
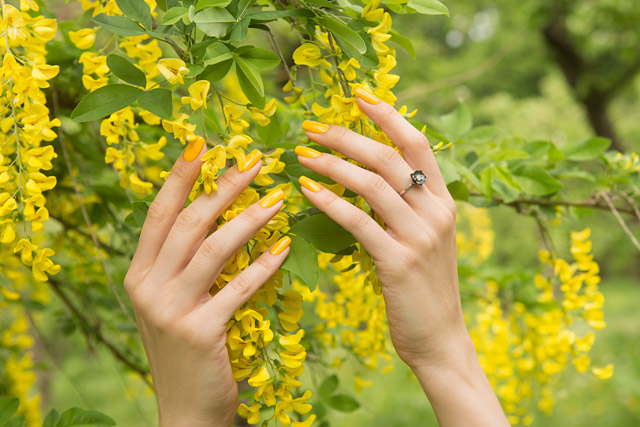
x,y
181,325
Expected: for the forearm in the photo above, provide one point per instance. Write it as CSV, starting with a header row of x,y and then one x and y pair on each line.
x,y
458,389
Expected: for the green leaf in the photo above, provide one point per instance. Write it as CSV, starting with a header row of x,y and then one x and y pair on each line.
x,y
217,52
302,261
174,15
250,82
343,403
214,15
458,190
574,173
8,407
76,417
104,101
120,25
216,72
139,212
203,4
51,419
158,101
136,9
271,133
328,386
125,70
458,122
215,29
403,42
482,134
344,33
535,180
263,59
323,233
240,30
587,149
504,184
428,7
277,14
447,169
17,421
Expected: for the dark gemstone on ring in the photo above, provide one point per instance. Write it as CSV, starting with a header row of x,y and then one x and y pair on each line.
x,y
418,177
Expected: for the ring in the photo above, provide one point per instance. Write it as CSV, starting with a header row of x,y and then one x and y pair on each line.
x,y
417,178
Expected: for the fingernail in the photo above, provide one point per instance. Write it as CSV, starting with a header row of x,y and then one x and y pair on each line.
x,y
280,245
193,149
314,127
309,184
251,160
307,152
271,198
367,96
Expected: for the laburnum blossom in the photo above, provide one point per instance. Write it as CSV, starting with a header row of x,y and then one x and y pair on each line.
x,y
173,69
348,67
182,131
213,160
309,54
84,38
261,116
233,117
37,259
198,91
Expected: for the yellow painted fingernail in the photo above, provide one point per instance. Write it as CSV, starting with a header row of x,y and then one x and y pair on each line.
x,y
314,127
309,184
193,149
271,198
280,245
251,160
367,96
303,151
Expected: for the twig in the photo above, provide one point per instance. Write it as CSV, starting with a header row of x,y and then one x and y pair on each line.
x,y
345,88
588,203
78,230
94,329
632,203
623,224
85,214
274,44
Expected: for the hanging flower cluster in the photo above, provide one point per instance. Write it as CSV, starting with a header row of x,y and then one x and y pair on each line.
x,y
525,346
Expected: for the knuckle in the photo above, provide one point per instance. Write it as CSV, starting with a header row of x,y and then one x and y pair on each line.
x,y
157,210
188,219
339,132
181,171
212,247
421,141
242,286
332,161
252,216
231,179
376,183
360,220
387,154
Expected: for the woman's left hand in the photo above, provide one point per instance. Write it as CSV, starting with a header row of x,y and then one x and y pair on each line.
x,y
415,257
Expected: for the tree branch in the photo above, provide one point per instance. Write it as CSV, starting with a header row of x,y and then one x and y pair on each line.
x,y
623,224
77,229
94,330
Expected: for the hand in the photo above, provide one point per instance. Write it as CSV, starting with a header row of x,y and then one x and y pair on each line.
x,y
168,282
415,256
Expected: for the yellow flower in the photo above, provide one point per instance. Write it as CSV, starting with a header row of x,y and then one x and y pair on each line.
x,y
84,38
94,63
92,84
182,131
359,383
251,413
347,67
138,185
261,116
371,12
309,54
198,91
259,377
603,373
173,69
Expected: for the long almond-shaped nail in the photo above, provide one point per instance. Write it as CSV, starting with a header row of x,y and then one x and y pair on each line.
x,y
314,127
193,149
271,198
303,151
309,184
367,96
251,160
280,245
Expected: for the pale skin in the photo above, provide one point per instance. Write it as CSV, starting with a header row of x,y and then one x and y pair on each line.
x,y
183,327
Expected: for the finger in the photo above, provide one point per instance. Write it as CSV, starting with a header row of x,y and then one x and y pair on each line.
x,y
216,250
384,159
414,145
167,205
395,212
194,222
238,291
374,239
